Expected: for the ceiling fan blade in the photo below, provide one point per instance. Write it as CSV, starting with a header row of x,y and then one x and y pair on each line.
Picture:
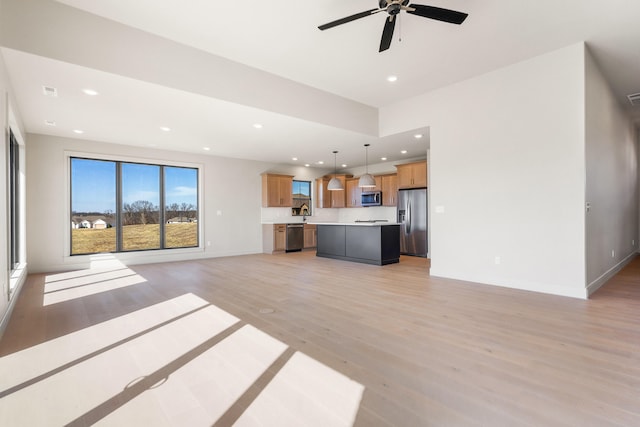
x,y
349,19
437,13
387,33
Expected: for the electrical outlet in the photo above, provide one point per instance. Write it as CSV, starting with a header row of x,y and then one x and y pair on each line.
x,y
496,260
613,253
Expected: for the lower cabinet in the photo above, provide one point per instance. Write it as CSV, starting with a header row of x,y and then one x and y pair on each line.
x,y
279,237
310,238
274,238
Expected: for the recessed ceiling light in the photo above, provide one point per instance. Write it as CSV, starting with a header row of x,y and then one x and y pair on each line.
x,y
90,92
404,152
417,136
165,129
392,79
49,123
344,165
321,162
295,159
257,125
383,158
206,148
307,165
78,131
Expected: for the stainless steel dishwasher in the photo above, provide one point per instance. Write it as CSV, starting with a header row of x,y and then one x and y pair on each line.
x,y
295,237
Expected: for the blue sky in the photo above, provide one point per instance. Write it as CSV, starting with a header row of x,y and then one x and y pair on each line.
x,y
93,185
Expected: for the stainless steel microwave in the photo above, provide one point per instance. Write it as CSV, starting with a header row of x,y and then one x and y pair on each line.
x,y
371,198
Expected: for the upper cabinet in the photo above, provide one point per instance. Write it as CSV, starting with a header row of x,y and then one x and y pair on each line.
x,y
277,191
323,196
412,175
389,188
331,199
339,197
354,193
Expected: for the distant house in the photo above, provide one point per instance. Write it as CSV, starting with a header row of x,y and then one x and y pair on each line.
x,y
180,219
99,224
85,224
73,225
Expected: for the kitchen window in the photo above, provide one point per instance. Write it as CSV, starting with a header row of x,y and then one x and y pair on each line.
x,y
301,198
124,206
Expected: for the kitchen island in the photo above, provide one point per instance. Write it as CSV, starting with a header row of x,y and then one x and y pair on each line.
x,y
375,243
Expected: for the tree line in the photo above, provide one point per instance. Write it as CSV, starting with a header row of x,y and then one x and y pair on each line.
x,y
145,212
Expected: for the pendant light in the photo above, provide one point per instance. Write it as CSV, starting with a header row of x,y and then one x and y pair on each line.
x,y
335,183
367,180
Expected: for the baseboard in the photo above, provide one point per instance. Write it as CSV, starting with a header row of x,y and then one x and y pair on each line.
x,y
597,284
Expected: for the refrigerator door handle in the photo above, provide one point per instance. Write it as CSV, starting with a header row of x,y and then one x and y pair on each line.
x,y
408,221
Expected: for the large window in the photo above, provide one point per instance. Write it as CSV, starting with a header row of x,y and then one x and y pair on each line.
x,y
115,206
14,202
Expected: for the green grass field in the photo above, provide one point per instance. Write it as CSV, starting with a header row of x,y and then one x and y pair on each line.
x,y
135,237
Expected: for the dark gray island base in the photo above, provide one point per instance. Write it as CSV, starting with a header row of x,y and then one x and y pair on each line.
x,y
377,244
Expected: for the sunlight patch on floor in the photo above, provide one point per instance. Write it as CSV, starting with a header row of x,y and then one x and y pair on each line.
x,y
22,366
199,393
305,393
65,395
180,362
69,286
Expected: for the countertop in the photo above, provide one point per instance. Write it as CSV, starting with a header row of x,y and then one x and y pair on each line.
x,y
361,224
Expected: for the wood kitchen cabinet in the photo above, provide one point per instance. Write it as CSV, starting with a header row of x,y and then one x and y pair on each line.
x,y
412,175
310,237
339,197
354,193
389,185
277,191
323,196
274,238
331,199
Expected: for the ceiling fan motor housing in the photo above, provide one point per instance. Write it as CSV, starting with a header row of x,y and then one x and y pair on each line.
x,y
393,7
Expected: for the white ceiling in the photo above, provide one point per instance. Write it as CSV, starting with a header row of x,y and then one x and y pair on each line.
x,y
283,40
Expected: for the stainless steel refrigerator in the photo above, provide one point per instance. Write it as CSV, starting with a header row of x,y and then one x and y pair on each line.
x,y
412,217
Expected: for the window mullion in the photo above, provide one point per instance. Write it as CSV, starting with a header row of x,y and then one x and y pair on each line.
x,y
118,220
161,218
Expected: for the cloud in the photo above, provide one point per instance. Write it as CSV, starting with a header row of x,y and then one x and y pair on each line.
x,y
182,191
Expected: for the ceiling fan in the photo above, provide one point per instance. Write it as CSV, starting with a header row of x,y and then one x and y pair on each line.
x,y
393,7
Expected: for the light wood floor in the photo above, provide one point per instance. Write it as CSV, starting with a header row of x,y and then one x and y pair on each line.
x,y
293,339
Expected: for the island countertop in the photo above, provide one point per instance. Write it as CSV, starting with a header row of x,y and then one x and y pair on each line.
x,y
361,223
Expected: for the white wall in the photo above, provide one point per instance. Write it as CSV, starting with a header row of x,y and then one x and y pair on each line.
x,y
612,181
507,168
230,187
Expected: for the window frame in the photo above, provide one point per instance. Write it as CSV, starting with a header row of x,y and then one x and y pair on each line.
x,y
293,198
119,160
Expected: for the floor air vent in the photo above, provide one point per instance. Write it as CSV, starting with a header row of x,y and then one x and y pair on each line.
x,y
634,99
